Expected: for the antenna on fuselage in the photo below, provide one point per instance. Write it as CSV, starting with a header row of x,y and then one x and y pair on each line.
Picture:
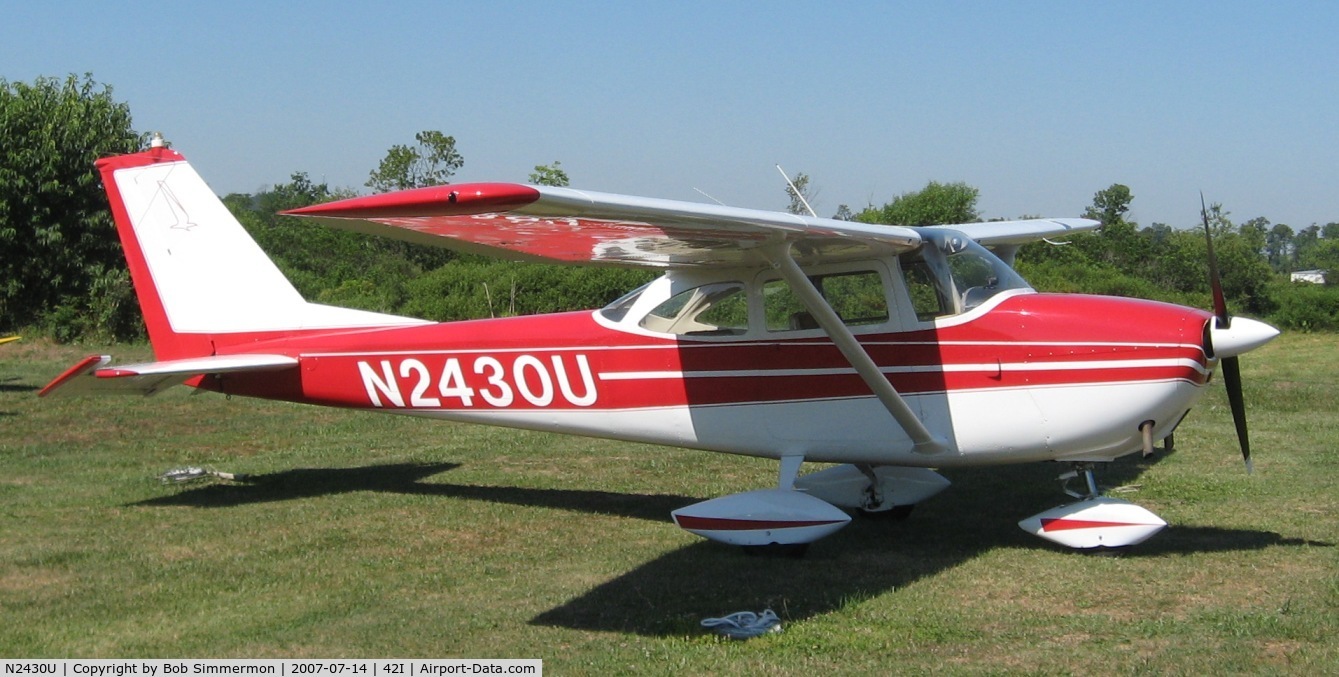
x,y
797,192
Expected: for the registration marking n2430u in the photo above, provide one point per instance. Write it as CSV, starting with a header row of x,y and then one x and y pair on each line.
x,y
466,382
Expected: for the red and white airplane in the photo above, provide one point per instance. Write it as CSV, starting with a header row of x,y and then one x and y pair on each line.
x,y
886,350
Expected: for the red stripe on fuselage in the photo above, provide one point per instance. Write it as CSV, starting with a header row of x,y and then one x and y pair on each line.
x,y
1030,340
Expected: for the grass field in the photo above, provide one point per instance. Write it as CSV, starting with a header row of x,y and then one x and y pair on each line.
x,y
361,535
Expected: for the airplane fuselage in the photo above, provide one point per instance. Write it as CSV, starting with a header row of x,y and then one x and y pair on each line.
x,y
1023,377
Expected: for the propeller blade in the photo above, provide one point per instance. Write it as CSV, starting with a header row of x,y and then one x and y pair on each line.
x,y
1232,380
1231,366
1215,280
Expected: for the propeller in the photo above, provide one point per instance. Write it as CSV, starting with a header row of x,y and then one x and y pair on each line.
x,y
1227,341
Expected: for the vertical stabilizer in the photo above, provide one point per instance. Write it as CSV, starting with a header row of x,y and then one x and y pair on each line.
x,y
199,276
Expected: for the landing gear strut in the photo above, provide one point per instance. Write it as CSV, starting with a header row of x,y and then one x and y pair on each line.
x,y
1085,469
876,504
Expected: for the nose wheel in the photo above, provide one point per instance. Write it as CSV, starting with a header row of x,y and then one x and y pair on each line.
x,y
1094,522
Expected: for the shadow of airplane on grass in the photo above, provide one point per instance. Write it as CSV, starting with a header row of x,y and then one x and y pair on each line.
x,y
407,478
13,385
668,595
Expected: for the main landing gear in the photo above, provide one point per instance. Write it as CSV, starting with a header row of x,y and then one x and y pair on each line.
x,y
1095,521
801,510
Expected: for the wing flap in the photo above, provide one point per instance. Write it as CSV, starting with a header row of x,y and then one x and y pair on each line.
x,y
93,376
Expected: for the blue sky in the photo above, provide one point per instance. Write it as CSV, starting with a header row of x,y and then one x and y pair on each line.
x,y
1037,104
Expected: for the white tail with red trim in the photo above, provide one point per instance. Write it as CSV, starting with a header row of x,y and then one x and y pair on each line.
x,y
196,269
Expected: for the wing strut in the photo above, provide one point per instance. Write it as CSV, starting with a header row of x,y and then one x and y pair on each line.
x,y
846,342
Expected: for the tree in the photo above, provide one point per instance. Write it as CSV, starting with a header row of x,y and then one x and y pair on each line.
x,y
1325,257
431,163
936,204
1279,247
1110,205
60,260
549,175
1120,243
1304,245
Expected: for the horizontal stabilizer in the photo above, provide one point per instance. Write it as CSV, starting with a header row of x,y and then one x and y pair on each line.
x,y
93,376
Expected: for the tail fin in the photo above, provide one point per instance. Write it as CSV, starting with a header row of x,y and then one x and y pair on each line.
x,y
199,276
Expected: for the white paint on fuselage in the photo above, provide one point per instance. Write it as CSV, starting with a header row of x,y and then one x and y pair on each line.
x,y
994,426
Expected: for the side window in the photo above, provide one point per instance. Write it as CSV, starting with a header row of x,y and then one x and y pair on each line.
x,y
718,309
858,297
784,311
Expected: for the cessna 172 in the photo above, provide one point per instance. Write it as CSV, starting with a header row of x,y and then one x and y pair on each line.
x,y
883,349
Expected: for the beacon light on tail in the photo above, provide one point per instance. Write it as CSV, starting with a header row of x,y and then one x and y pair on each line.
x,y
887,350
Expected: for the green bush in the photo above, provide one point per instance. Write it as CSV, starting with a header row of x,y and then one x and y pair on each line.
x,y
474,287
1305,306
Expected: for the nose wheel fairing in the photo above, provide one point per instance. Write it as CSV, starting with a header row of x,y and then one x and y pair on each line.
x,y
1096,521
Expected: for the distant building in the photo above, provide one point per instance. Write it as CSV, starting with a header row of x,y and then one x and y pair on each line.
x,y
1312,276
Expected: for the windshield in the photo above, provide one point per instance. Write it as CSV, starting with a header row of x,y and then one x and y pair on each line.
x,y
950,273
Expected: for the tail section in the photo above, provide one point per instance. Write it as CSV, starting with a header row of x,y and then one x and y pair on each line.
x,y
199,276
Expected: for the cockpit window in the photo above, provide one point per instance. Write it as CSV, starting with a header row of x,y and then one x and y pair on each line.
x,y
950,273
717,309
857,297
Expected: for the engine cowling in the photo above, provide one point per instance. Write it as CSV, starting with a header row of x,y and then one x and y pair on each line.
x,y
763,517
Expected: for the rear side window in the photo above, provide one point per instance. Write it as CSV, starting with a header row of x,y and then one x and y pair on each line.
x,y
717,309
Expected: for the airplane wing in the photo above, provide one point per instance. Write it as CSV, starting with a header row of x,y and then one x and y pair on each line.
x,y
7,339
92,375
1013,233
562,225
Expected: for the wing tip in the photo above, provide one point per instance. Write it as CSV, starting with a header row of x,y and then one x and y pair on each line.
x,y
83,367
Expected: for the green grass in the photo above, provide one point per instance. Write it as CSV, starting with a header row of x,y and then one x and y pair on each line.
x,y
380,536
